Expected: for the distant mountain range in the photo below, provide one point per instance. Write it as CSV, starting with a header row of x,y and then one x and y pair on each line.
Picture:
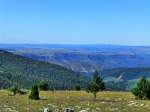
x,y
120,66
84,58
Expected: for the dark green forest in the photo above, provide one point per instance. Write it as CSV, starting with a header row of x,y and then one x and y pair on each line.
x,y
24,72
16,70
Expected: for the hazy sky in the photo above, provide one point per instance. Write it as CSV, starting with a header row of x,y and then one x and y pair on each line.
x,y
75,21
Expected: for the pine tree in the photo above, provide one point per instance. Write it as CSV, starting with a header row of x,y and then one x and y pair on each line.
x,y
96,84
142,91
34,93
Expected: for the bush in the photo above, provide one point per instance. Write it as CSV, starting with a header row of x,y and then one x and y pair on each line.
x,y
142,91
14,90
77,88
34,93
43,85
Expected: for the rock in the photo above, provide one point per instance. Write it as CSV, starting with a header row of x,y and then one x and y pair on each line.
x,y
47,110
69,110
83,111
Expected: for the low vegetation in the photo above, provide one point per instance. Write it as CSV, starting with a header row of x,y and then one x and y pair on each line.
x,y
16,90
34,93
77,100
43,86
142,91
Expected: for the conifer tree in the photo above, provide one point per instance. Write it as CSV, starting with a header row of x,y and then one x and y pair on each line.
x,y
96,84
142,91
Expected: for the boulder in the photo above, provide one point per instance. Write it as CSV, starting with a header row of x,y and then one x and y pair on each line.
x,y
47,110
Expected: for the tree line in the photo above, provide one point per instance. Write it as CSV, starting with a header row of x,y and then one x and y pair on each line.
x,y
141,91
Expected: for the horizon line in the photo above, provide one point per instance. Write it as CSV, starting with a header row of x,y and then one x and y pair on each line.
x,y
75,44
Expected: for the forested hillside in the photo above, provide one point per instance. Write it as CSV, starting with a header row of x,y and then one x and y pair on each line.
x,y
124,78
18,70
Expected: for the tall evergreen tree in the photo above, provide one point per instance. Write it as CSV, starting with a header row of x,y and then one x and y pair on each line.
x,y
96,84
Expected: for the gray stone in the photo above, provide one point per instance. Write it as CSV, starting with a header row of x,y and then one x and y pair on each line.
x,y
83,111
47,110
68,110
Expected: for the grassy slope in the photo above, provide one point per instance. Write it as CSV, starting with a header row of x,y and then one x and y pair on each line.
x,y
106,102
24,71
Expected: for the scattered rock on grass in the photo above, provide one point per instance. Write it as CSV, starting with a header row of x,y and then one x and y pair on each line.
x,y
47,110
69,110
83,111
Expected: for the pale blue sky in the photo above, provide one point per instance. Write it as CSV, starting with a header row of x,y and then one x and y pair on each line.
x,y
124,22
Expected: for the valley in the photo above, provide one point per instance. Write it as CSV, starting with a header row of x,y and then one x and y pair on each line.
x,y
119,66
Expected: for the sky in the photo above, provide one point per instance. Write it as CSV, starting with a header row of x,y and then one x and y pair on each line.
x,y
123,22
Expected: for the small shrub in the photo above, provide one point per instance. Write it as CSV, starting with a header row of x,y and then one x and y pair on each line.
x,y
34,93
43,85
77,88
142,91
14,90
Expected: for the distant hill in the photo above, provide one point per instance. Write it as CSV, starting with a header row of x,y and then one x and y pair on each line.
x,y
84,58
124,78
22,71
120,66
126,73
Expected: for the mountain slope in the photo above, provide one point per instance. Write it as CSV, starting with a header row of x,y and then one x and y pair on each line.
x,y
124,78
15,69
127,73
84,58
121,66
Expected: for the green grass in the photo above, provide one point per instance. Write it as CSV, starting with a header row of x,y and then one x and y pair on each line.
x,y
57,101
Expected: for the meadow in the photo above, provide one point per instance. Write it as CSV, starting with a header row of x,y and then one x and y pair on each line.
x,y
78,100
